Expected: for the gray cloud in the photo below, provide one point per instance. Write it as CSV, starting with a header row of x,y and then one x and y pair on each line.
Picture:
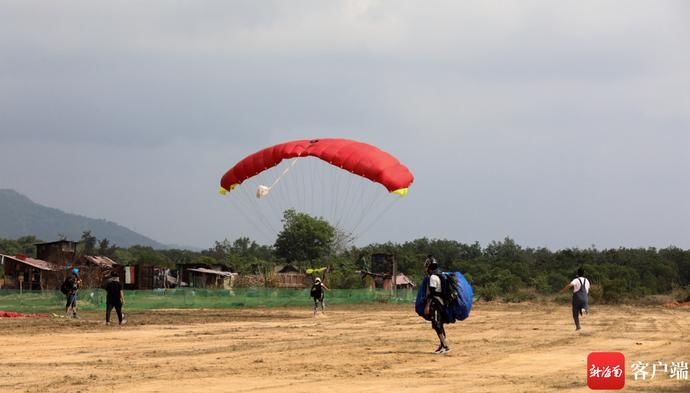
x,y
560,124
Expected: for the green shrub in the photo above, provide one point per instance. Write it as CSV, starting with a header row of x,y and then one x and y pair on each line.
x,y
489,293
521,295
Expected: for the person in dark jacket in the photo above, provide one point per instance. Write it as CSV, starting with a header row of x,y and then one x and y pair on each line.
x,y
115,298
71,288
434,303
580,286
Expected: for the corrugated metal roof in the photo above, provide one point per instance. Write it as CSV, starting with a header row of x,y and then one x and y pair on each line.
x,y
37,263
209,271
288,268
57,242
100,260
402,279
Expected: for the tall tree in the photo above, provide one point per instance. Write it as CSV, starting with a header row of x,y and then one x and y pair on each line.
x,y
304,238
89,241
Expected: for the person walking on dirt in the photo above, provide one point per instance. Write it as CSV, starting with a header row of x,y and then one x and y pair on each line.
x,y
580,287
70,288
115,298
318,294
434,303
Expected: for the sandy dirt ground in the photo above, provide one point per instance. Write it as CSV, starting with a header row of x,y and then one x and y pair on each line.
x,y
373,348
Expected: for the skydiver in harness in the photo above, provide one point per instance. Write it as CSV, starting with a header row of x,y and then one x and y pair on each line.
x,y
434,303
70,288
318,294
580,287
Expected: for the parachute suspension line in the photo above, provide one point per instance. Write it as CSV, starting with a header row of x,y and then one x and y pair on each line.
x,y
289,191
336,206
236,206
346,202
359,206
384,211
303,192
285,198
325,183
372,203
263,190
270,196
311,172
261,214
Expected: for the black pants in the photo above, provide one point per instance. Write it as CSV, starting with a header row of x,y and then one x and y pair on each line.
x,y
118,310
318,299
437,317
580,302
71,300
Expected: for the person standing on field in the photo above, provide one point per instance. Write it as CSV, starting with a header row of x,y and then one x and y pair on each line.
x,y
71,288
317,293
115,298
434,303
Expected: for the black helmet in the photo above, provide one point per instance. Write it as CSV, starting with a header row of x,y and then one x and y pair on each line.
x,y
430,263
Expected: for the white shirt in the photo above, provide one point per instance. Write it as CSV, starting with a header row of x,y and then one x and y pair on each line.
x,y
577,284
435,282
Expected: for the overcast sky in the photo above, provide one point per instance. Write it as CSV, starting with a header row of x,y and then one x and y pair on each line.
x,y
556,123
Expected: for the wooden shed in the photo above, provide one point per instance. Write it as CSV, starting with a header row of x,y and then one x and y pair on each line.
x,y
26,273
201,277
287,276
61,252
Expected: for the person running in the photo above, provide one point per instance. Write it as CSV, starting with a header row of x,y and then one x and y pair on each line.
x,y
70,289
580,287
115,298
434,303
318,294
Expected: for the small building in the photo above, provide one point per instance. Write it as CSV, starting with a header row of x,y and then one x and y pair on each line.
x,y
201,277
287,276
401,282
95,269
61,252
26,273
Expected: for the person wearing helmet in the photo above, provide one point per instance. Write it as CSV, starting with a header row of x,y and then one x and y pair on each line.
x,y
70,289
434,303
318,295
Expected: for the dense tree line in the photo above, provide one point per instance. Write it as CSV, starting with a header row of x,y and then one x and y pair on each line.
x,y
502,269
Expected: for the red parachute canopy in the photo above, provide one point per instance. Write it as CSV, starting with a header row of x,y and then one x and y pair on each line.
x,y
11,314
359,158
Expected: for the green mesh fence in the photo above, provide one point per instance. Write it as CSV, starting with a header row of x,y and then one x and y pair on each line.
x,y
94,299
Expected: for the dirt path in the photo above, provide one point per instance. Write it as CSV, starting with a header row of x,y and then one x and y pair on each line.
x,y
501,348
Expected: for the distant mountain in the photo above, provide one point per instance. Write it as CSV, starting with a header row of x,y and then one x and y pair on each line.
x,y
20,216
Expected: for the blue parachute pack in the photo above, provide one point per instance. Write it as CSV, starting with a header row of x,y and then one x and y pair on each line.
x,y
457,296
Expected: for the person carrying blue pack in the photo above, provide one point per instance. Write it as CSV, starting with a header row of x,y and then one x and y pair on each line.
x,y
70,288
434,307
580,287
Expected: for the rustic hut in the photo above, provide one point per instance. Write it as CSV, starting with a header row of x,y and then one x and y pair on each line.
x,y
26,273
288,276
401,282
95,269
202,277
61,252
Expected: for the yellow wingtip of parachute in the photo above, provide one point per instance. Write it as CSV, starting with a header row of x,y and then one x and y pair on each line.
x,y
400,191
224,191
